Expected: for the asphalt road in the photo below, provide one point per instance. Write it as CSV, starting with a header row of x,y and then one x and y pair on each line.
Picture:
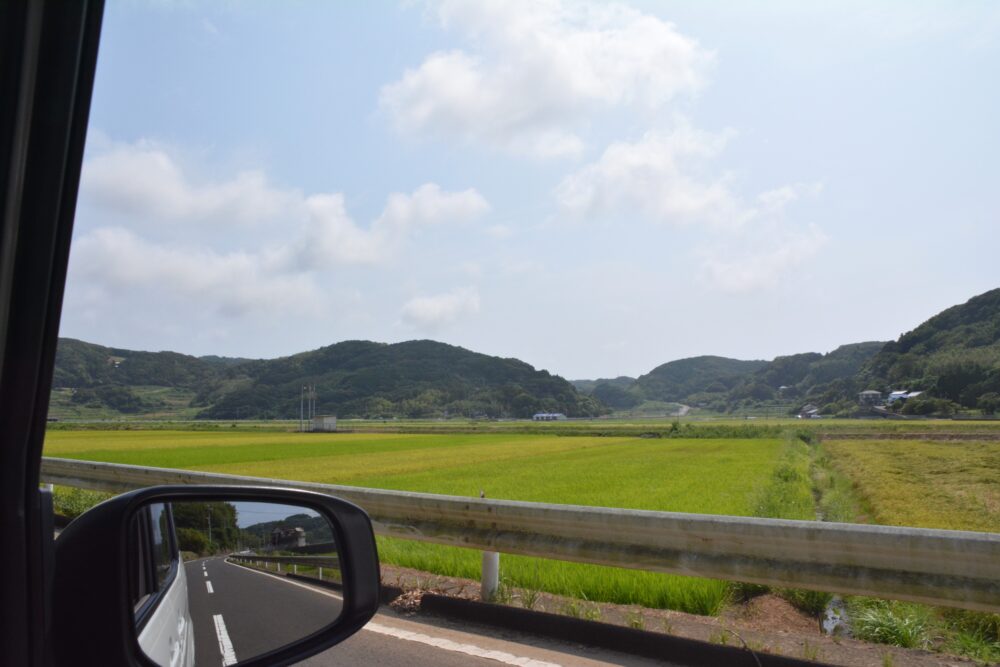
x,y
259,612
262,612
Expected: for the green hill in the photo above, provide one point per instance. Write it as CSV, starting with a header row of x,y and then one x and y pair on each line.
x,y
677,381
810,377
80,364
352,379
954,356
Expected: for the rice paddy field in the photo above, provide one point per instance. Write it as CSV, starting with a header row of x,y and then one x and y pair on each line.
x,y
951,484
889,476
717,476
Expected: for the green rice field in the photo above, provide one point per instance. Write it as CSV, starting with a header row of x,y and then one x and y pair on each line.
x,y
716,476
879,477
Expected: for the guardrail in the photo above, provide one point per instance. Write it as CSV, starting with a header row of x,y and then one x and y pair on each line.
x,y
940,567
318,562
330,562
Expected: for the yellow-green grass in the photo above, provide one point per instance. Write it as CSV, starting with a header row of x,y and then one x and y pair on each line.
x,y
723,476
929,484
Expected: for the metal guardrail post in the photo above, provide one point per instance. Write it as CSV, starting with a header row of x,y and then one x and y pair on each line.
x,y
491,575
490,580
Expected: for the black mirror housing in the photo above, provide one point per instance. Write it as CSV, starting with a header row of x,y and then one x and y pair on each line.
x,y
91,610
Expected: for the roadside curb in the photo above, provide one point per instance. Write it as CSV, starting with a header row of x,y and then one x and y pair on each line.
x,y
603,635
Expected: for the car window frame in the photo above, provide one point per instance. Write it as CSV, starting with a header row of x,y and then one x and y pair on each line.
x,y
154,590
48,56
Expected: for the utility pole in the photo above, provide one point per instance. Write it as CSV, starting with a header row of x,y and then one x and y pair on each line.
x,y
210,527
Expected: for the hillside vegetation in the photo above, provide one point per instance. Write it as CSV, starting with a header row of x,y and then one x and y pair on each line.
x,y
352,379
954,356
727,385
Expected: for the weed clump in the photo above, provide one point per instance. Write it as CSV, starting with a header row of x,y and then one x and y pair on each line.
x,y
895,623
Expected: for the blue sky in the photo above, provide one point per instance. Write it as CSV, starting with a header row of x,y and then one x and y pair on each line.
x,y
594,188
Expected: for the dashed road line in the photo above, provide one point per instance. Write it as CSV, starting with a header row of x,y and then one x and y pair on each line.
x,y
208,585
225,644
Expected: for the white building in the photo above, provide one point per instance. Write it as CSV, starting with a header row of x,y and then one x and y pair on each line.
x,y
902,396
870,397
548,416
324,423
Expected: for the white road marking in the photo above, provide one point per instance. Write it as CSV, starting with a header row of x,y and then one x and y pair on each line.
x,y
208,585
455,647
225,644
438,642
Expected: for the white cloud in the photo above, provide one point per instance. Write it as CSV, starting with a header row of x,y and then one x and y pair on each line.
x,y
145,183
433,312
775,201
429,205
231,283
537,69
664,177
499,232
655,177
761,264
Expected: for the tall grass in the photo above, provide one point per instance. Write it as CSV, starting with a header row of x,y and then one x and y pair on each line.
x,y
889,622
588,582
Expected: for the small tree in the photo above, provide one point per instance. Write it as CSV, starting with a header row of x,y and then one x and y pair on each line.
x,y
191,539
989,403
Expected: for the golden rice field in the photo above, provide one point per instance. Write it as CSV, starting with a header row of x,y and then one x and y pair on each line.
x,y
931,484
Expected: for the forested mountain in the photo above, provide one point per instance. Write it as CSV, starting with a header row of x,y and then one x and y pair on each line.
x,y
353,378
80,364
953,356
588,386
678,380
809,377
723,384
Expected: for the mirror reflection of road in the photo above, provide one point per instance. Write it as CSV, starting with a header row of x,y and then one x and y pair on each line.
x,y
261,612
239,613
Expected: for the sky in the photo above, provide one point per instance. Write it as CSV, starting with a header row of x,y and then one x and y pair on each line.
x,y
595,188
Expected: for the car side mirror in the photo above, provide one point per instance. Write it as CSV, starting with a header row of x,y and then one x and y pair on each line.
x,y
207,575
